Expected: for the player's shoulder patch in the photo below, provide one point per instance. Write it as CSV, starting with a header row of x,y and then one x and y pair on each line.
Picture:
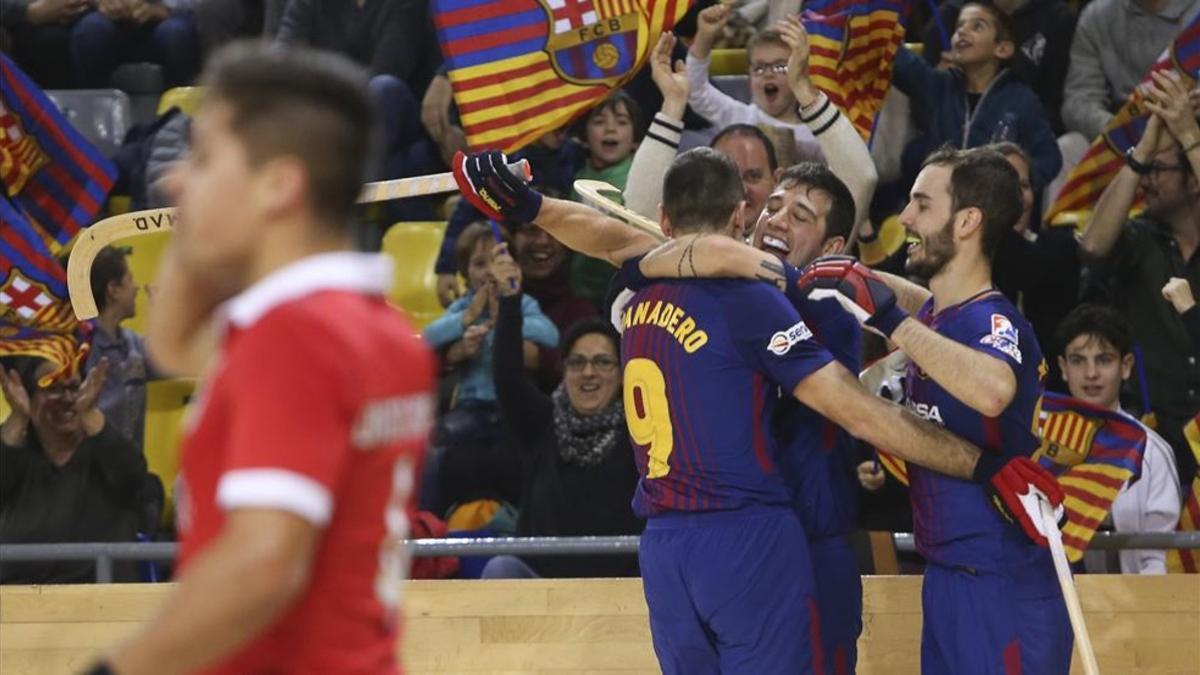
x,y
783,341
1003,337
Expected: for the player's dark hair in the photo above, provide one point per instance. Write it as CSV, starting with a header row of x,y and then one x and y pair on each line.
x,y
701,190
982,178
304,103
839,222
109,267
1100,321
464,248
749,131
1010,149
587,326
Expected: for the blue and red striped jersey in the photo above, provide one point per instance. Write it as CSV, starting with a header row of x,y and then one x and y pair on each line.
x,y
704,361
817,457
953,521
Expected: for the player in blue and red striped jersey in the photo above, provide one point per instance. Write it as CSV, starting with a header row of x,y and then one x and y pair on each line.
x,y
810,213
723,561
991,599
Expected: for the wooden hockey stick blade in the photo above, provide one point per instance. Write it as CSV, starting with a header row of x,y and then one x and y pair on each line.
x,y
1083,641
419,186
111,229
101,234
592,192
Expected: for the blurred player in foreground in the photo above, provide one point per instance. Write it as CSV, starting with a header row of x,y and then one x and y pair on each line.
x,y
298,462
725,565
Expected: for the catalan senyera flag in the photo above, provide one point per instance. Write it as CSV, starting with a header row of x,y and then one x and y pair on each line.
x,y
1092,451
852,46
522,68
1188,561
53,175
1106,155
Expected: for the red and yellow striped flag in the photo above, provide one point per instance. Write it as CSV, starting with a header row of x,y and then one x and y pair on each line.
x,y
1093,452
1106,155
1188,561
853,44
522,68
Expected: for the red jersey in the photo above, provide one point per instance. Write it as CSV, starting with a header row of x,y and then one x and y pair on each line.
x,y
319,405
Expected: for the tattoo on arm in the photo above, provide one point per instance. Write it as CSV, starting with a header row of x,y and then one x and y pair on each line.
x,y
687,256
774,274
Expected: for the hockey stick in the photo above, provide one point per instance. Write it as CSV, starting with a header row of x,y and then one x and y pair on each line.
x,y
592,193
1063,569
135,223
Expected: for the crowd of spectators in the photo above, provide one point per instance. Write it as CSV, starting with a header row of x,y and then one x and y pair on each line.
x,y
531,435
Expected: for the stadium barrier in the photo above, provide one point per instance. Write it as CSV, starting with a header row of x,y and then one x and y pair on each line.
x,y
105,553
1140,625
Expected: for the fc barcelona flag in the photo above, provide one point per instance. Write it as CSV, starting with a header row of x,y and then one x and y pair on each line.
x,y
52,174
1105,157
52,183
522,68
1092,451
852,46
35,314
1188,560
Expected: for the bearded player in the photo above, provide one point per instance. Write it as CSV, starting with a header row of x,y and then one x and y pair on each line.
x,y
725,573
298,462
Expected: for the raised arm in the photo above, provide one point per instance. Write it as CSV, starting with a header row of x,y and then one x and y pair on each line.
x,y
489,186
712,255
643,188
1103,226
709,102
981,381
843,147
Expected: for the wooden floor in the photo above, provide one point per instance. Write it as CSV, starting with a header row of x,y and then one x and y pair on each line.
x,y
1140,625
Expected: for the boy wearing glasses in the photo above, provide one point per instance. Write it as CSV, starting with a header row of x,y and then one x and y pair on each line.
x,y
1142,254
773,102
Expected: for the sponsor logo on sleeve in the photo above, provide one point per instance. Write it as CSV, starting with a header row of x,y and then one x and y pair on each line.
x,y
1003,338
782,342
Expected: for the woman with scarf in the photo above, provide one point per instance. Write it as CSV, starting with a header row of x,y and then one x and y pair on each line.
x,y
577,463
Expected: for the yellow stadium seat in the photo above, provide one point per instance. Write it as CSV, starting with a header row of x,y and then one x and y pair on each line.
x,y
728,62
4,410
917,48
186,99
414,247
118,204
166,403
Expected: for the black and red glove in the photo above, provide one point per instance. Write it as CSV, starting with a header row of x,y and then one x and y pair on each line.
x,y
487,182
856,288
1014,486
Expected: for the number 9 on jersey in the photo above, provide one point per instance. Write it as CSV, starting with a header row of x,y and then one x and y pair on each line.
x,y
648,414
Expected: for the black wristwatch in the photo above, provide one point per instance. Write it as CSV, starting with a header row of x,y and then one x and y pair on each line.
x,y
1139,168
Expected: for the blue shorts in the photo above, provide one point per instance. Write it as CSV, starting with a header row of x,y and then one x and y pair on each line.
x,y
990,623
730,592
839,601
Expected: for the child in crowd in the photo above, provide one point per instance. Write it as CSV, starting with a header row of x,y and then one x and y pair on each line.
x,y
976,102
464,334
1096,357
772,100
610,133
